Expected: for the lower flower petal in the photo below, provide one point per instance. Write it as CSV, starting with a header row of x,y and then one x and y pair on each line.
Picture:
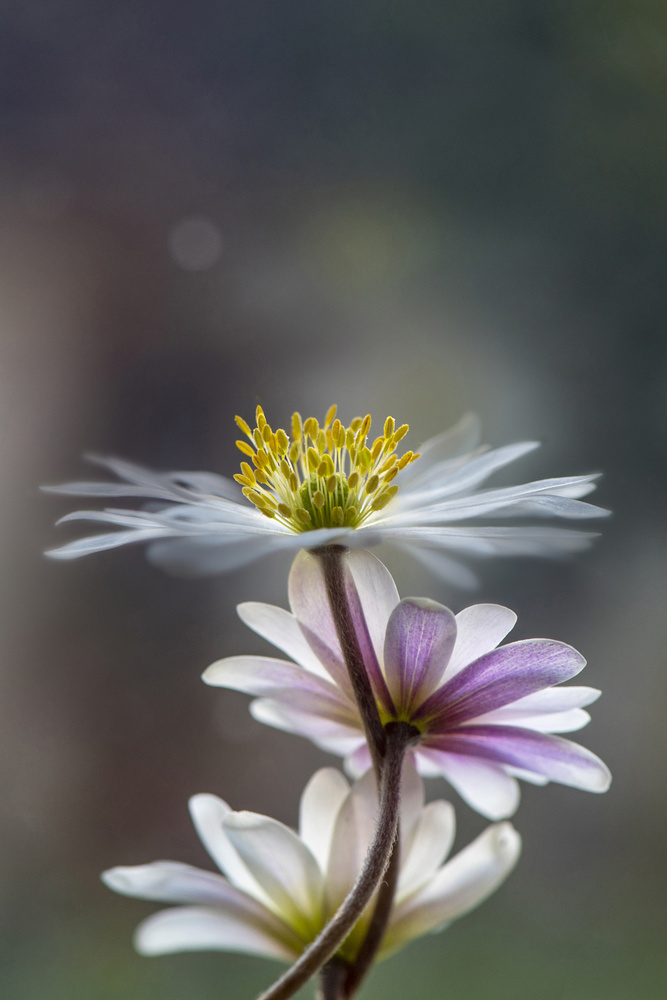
x,y
480,628
320,804
460,885
427,847
199,929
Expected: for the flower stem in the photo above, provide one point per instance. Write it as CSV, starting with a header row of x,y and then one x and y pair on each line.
x,y
331,557
332,977
358,970
399,737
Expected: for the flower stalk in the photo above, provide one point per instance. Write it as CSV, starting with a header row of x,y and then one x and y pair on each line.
x,y
398,738
331,558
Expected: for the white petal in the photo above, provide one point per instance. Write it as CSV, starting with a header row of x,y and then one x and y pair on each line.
x,y
377,593
480,628
484,786
208,813
552,722
281,864
412,799
458,440
429,845
282,629
325,732
172,882
199,929
462,884
355,825
441,480
321,801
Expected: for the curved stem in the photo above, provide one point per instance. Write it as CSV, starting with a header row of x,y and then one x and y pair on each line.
x,y
378,925
331,557
377,860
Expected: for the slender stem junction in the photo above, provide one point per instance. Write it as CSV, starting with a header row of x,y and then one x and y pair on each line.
x,y
399,737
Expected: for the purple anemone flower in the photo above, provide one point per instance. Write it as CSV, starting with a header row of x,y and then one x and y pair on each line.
x,y
487,714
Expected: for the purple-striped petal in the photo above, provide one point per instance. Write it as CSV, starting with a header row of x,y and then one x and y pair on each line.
x,y
417,647
499,678
372,596
552,756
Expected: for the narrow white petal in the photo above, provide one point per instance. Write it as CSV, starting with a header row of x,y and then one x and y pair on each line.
x,y
282,629
327,733
321,801
441,480
172,882
355,825
208,813
458,887
199,929
486,787
427,848
283,866
480,628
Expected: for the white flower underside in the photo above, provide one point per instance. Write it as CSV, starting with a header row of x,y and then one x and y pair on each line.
x,y
278,888
199,523
311,696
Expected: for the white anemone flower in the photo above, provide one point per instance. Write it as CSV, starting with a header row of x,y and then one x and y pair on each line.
x,y
486,713
332,485
279,888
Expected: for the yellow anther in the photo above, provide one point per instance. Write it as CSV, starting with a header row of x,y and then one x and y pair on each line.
x,y
365,458
260,419
252,495
389,427
243,480
284,510
293,482
266,432
321,440
257,437
302,515
242,425
294,452
332,482
387,478
352,480
322,468
335,428
349,438
261,459
405,460
313,459
282,441
297,425
246,448
331,444
400,433
266,512
383,499
417,454
355,424
318,498
337,515
285,469
372,484
391,461
311,427
365,425
261,477
247,471
351,514
331,413
376,450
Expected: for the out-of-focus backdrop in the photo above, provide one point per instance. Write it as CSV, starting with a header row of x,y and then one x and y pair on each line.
x,y
408,207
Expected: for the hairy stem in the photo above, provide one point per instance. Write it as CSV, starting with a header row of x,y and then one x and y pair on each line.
x,y
378,925
399,737
331,557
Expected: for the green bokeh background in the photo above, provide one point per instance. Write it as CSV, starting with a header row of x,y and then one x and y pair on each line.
x,y
417,208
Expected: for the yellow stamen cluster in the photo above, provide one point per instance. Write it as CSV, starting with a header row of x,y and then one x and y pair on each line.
x,y
326,476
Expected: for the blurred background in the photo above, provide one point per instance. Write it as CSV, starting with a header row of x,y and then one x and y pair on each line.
x,y
408,207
